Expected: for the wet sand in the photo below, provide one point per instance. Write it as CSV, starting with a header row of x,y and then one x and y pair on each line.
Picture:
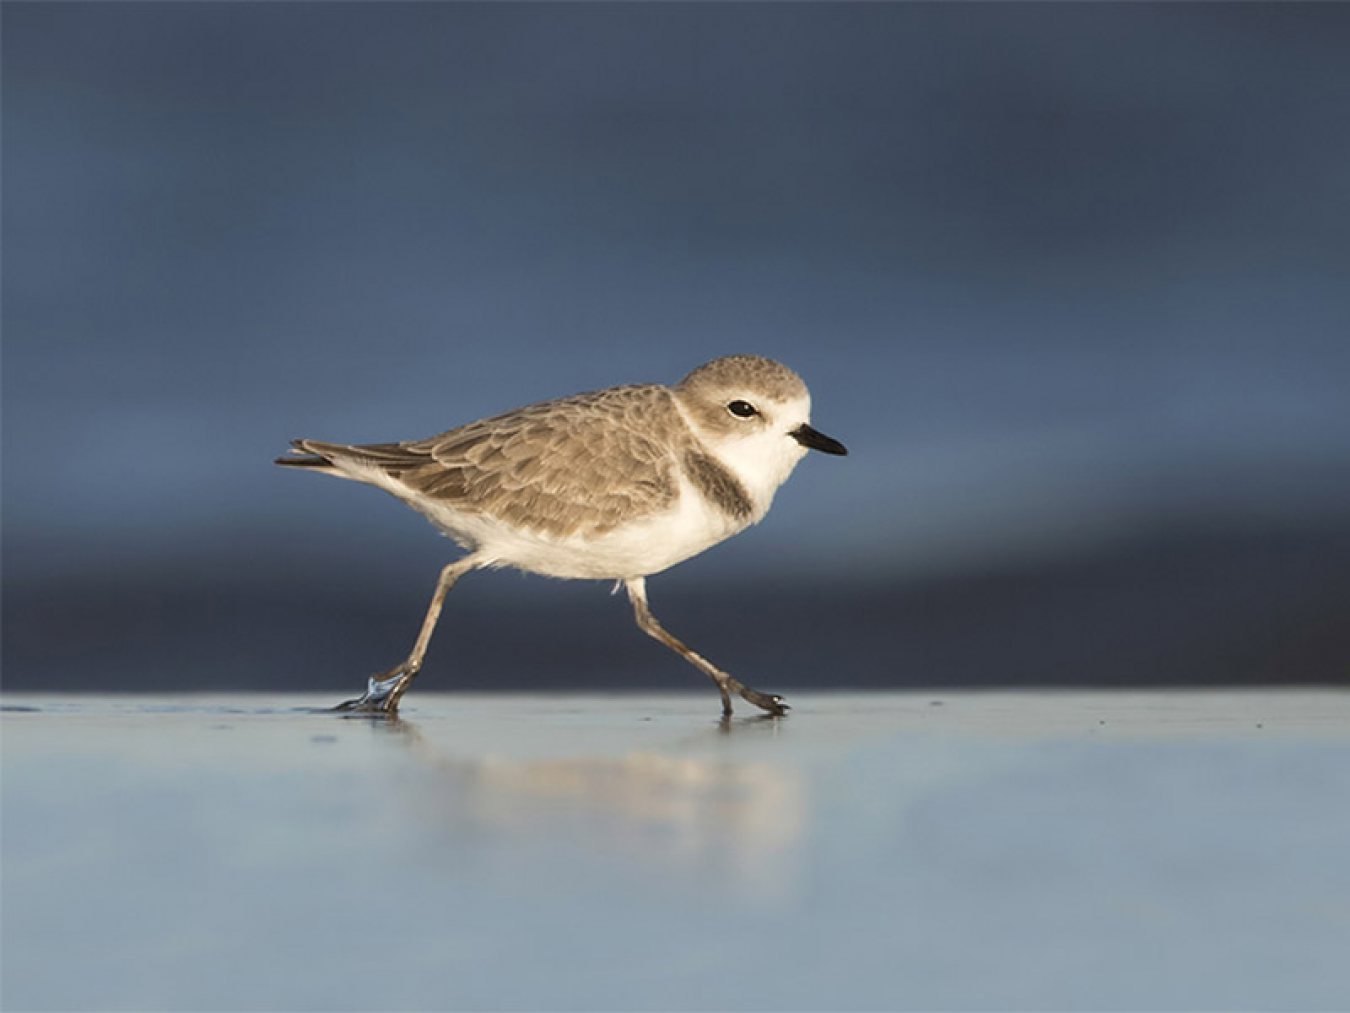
x,y
972,850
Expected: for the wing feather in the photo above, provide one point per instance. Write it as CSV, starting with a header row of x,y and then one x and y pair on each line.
x,y
579,465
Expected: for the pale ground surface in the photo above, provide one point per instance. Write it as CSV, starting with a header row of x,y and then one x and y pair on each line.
x,y
955,850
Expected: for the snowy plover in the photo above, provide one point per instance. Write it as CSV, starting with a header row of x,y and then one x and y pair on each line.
x,y
615,484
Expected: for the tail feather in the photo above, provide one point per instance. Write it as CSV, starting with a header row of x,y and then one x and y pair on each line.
x,y
305,454
329,457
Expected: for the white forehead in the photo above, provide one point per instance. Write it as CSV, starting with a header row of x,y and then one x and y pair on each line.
x,y
800,406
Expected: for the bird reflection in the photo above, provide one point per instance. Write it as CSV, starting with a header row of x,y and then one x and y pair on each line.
x,y
672,809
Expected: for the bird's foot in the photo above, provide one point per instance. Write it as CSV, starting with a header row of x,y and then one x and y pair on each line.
x,y
772,703
382,694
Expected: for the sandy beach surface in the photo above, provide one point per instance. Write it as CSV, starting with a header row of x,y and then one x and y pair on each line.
x,y
1029,850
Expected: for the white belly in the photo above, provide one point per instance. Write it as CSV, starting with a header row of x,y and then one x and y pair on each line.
x,y
644,547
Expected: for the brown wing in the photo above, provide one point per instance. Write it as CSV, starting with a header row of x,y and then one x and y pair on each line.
x,y
579,465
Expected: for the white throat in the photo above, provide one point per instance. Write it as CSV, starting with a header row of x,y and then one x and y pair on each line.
x,y
762,461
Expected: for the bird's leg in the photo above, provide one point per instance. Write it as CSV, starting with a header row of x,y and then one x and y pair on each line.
x,y
385,690
726,685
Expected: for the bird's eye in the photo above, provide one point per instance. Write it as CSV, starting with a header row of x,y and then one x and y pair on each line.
x,y
742,409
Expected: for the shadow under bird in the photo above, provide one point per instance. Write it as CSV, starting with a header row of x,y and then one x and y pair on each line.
x,y
614,484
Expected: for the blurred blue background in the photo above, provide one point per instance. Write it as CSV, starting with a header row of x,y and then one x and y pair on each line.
x,y
1071,281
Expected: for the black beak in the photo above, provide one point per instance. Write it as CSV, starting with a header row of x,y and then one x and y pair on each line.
x,y
808,437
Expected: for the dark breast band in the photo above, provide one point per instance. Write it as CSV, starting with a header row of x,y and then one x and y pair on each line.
x,y
718,485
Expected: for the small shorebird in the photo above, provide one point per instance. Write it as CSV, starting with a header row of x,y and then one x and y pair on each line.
x,y
615,484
